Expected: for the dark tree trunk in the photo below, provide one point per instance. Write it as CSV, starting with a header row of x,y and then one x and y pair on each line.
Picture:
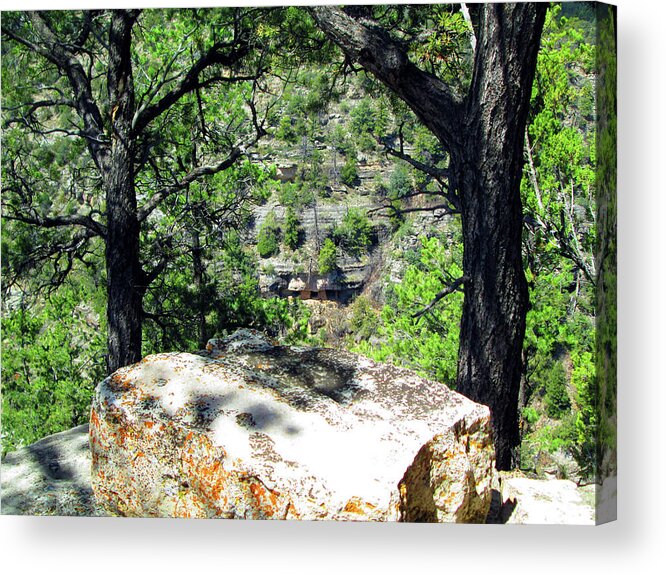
x,y
495,305
125,281
484,135
124,309
489,173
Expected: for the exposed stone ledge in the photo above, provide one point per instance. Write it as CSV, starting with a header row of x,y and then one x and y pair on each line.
x,y
50,477
252,430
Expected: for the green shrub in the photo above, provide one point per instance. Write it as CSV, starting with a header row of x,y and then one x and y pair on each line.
x,y
292,229
295,195
354,234
365,320
556,398
52,358
286,131
268,238
400,183
328,255
428,345
363,118
530,415
349,172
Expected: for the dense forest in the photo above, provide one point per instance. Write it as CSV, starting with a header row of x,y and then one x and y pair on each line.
x,y
172,175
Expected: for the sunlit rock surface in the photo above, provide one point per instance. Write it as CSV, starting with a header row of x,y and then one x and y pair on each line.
x,y
49,477
551,502
252,430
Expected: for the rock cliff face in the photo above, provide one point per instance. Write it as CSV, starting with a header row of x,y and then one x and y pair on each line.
x,y
248,429
295,274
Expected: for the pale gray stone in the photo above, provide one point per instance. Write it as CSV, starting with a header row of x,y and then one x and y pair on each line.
x,y
253,430
50,477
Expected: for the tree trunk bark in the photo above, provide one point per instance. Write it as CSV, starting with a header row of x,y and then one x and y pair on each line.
x,y
125,281
495,304
125,294
484,136
489,170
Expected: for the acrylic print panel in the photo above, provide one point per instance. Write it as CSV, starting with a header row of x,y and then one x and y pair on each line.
x,y
323,263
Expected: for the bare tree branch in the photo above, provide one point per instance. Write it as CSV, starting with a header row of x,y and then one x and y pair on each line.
x,y
191,176
446,209
366,43
191,80
449,289
55,51
61,221
437,173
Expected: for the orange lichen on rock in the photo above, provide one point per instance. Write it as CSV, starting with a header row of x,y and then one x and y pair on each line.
x,y
265,500
357,505
259,431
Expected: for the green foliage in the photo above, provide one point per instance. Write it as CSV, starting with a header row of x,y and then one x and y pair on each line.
x,y
400,183
314,174
354,233
328,255
365,319
554,380
52,359
363,124
286,130
349,172
550,438
559,342
558,194
341,140
428,345
229,299
295,195
268,238
530,415
292,229
586,413
445,51
606,249
558,188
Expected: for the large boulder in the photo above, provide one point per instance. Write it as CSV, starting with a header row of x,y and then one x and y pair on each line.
x,y
248,429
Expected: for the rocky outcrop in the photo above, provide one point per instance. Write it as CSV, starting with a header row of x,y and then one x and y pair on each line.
x,y
50,477
295,273
548,502
249,429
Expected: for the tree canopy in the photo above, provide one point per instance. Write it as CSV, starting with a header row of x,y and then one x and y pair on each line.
x,y
139,145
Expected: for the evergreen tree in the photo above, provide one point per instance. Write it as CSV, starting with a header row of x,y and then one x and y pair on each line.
x,y
292,229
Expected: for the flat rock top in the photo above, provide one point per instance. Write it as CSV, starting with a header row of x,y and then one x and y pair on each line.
x,y
547,502
356,422
50,477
